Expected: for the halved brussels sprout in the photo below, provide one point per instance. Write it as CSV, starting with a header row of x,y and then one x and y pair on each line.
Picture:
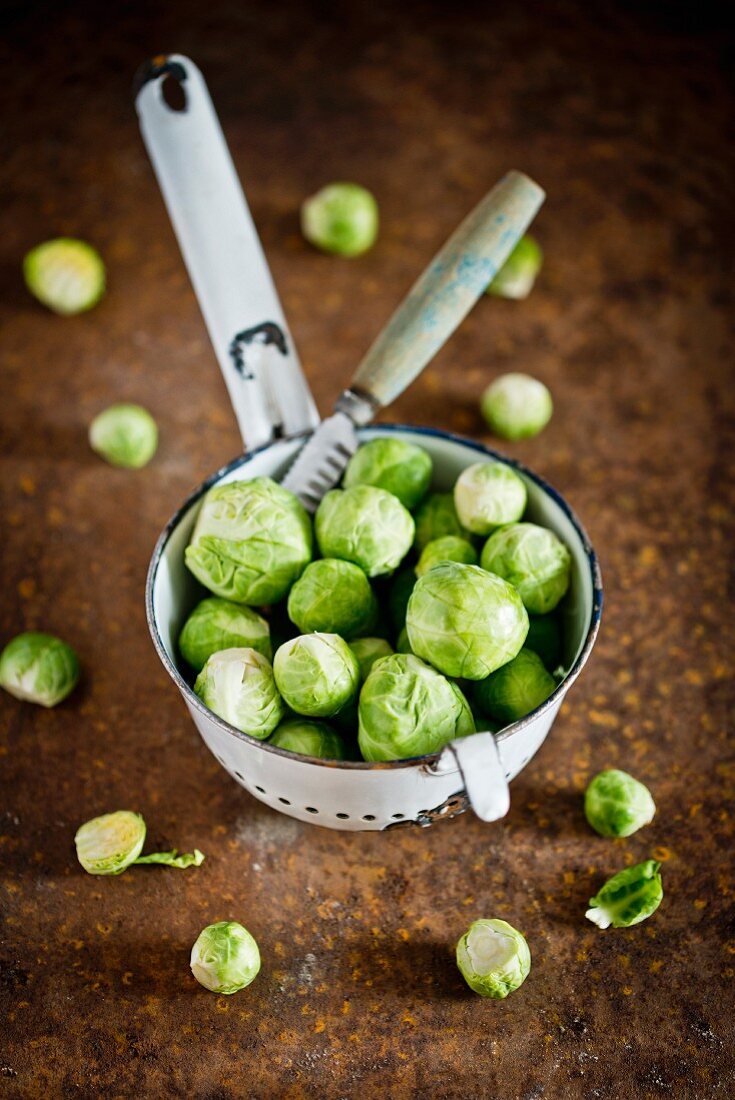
x,y
38,668
251,541
628,897
310,739
493,958
367,651
238,685
449,548
364,525
317,674
107,845
533,560
65,274
515,689
436,517
488,495
333,597
465,621
217,624
516,406
124,435
401,468
545,638
341,218
616,804
225,957
408,709
516,277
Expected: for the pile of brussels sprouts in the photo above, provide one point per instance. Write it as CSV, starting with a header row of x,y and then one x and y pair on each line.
x,y
402,619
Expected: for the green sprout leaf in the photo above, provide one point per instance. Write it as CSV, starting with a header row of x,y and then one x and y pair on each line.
x,y
628,897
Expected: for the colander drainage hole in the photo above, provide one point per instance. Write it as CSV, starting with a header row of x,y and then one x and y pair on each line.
x,y
343,817
368,817
311,810
261,789
240,776
285,801
397,817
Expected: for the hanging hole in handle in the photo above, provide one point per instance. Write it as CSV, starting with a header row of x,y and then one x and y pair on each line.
x,y
172,93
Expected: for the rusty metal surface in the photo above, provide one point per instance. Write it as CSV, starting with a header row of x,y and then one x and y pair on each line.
x,y
623,120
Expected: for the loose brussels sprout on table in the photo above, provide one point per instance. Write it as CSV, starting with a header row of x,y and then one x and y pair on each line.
x,y
309,739
488,495
251,541
493,958
408,709
436,517
38,668
317,674
401,468
449,548
109,844
225,957
533,560
545,638
465,621
341,218
217,624
239,686
367,651
65,274
364,525
516,277
515,689
628,897
616,804
516,406
333,597
124,435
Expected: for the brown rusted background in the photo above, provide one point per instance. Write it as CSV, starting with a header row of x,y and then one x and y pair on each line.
x,y
621,112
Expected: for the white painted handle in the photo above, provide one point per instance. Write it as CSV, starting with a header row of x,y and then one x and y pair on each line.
x,y
223,255
448,289
482,771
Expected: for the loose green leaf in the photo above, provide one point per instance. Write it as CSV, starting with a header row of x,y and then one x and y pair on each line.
x,y
628,897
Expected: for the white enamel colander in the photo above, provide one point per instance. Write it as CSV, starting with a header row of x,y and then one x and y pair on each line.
x,y
271,400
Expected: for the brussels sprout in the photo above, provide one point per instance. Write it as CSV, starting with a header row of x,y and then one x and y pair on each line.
x,y
628,897
487,495
392,464
616,804
238,685
515,689
38,668
65,274
217,624
400,592
310,739
464,621
317,674
436,517
334,597
407,709
367,651
124,435
533,560
516,277
364,525
493,958
107,845
516,406
544,638
402,643
225,957
251,541
341,218
449,548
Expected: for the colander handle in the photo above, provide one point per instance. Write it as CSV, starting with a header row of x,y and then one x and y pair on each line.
x,y
482,771
223,254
